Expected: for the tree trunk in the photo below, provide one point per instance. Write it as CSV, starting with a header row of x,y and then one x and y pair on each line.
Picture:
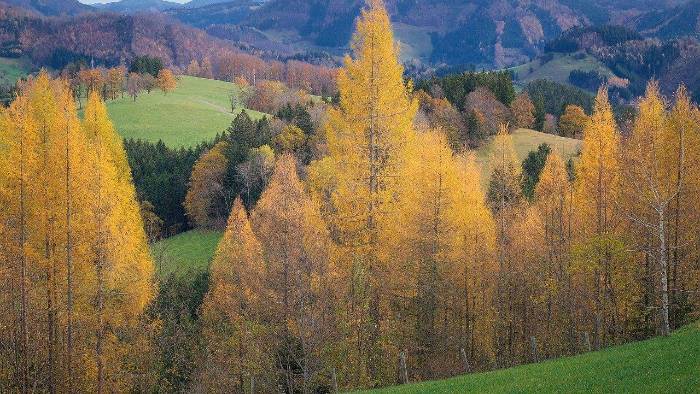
x,y
23,274
69,271
663,265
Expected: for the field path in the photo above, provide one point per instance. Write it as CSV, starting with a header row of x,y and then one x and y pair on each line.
x,y
216,106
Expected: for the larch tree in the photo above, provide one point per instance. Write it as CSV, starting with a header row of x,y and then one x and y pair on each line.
x,y
166,81
207,199
296,248
237,340
476,254
682,154
655,153
123,265
553,201
505,199
597,191
367,138
52,247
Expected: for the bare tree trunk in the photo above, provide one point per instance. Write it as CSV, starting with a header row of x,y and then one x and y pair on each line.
x,y
663,265
23,274
69,269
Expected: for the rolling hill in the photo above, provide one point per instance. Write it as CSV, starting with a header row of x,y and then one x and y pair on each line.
x,y
196,111
557,68
12,69
524,142
659,365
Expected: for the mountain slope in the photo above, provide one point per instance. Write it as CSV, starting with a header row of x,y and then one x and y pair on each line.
x,y
52,7
479,32
131,6
659,365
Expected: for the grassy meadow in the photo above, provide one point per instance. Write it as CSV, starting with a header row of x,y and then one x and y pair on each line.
x,y
557,69
659,365
196,111
525,141
12,69
185,252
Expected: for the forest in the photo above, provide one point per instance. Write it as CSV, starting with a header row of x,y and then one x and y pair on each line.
x,y
361,247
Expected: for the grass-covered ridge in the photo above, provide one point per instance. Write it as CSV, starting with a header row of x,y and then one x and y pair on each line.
x,y
196,111
659,365
12,69
558,68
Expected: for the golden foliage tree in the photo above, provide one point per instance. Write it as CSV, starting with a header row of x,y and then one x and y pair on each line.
x,y
206,201
597,191
166,81
296,248
72,229
367,138
238,342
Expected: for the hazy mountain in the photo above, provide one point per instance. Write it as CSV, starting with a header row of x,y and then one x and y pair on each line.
x,y
204,3
52,7
229,12
480,32
131,6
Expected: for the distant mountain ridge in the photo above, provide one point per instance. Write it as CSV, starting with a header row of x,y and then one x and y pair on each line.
x,y
132,6
52,7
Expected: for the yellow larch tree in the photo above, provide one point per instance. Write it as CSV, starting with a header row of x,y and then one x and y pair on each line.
x,y
124,267
682,155
553,203
367,138
50,247
505,199
654,172
296,248
166,81
206,201
238,343
477,264
600,250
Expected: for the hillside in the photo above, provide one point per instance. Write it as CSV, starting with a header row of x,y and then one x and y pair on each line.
x,y
659,365
52,7
196,111
557,68
525,141
469,32
130,6
12,69
102,38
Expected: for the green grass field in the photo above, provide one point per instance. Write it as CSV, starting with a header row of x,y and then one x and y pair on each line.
x,y
525,141
659,365
557,69
196,111
12,69
189,251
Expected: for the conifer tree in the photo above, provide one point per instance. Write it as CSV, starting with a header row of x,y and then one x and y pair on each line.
x,y
597,190
296,248
367,137
237,341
